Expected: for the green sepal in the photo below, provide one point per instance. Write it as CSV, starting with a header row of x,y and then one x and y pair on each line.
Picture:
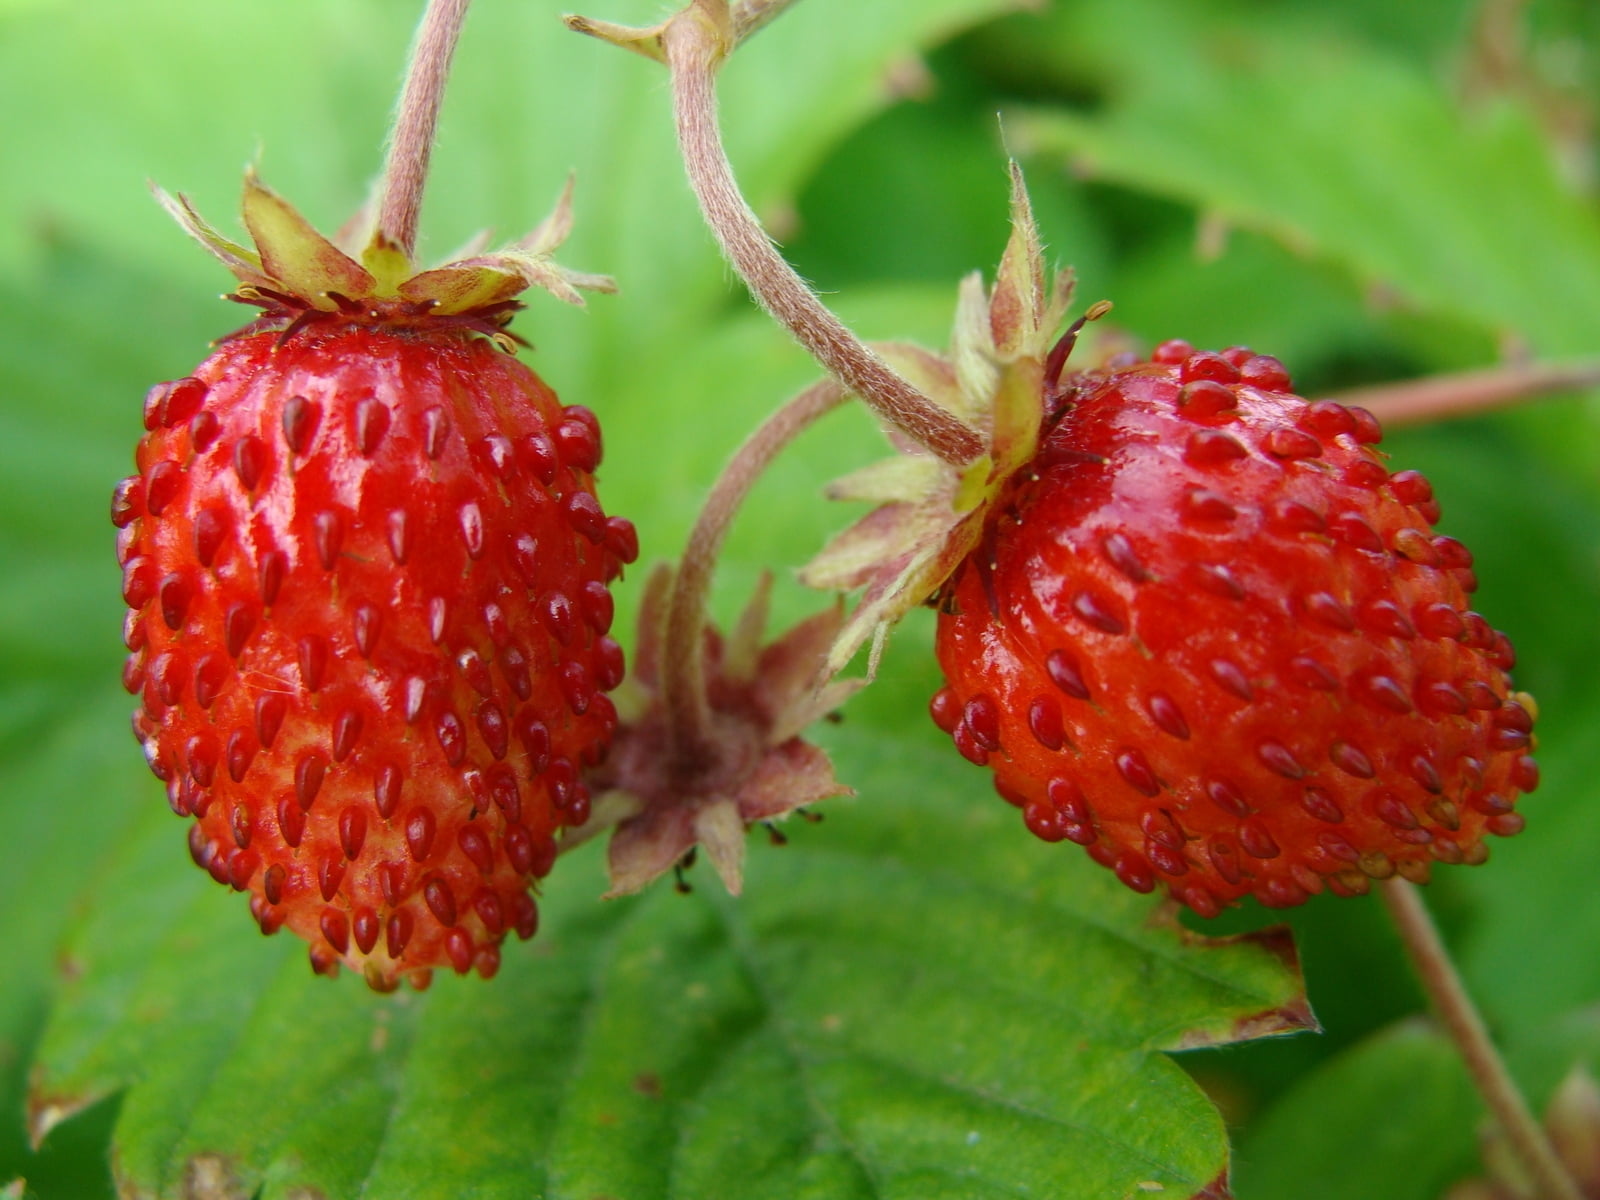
x,y
292,260
298,259
244,263
931,513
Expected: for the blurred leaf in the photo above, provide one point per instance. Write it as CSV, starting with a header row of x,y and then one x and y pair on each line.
x,y
1395,1117
1081,48
1455,211
1535,914
1302,311
1322,1143
921,223
1544,1057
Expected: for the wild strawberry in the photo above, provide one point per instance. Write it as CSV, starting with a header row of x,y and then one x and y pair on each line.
x,y
1207,635
1191,621
367,581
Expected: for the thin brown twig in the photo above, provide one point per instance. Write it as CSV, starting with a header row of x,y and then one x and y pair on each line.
x,y
1468,392
1465,1026
411,143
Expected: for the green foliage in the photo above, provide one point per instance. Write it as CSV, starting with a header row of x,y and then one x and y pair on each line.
x,y
846,1019
913,999
1303,1148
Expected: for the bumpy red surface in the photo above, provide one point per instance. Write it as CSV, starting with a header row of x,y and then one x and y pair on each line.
x,y
367,581
1212,639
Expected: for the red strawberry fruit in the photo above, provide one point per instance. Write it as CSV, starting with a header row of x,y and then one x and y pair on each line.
x,y
1209,636
367,581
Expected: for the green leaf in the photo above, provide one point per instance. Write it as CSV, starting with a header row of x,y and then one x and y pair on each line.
x,y
902,228
1549,869
1393,1117
1309,313
906,1002
1319,1142
51,841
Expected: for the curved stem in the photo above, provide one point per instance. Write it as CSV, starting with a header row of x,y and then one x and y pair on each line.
x,y
693,49
749,16
1467,392
1466,1028
411,143
683,655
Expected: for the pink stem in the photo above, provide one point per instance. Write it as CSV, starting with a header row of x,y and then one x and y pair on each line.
x,y
1465,1026
683,681
749,16
693,50
411,143
1468,392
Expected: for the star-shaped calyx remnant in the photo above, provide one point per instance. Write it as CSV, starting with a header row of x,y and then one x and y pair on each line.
x,y
298,276
1004,358
748,763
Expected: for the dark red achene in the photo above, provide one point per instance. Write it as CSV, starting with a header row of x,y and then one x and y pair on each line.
x,y
1210,638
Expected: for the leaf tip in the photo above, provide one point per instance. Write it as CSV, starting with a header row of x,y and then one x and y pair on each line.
x,y
46,1110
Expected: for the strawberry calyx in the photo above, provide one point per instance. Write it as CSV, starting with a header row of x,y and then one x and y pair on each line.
x,y
298,276
751,765
930,513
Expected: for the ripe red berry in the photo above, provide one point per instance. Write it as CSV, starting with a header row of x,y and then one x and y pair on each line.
x,y
369,622
1208,636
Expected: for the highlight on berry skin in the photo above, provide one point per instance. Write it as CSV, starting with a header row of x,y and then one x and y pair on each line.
x,y
1212,639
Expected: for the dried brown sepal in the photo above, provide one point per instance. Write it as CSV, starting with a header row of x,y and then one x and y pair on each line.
x,y
1292,1015
752,766
46,1110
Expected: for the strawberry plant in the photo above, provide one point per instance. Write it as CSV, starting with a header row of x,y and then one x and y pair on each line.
x,y
916,996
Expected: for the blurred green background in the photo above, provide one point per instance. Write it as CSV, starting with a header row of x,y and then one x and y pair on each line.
x,y
914,999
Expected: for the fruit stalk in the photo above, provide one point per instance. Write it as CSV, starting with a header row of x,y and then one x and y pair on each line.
x,y
1465,393
683,665
749,16
1464,1023
694,47
411,143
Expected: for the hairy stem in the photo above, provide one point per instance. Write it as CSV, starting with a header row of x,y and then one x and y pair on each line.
x,y
693,49
1466,1028
683,656
1467,392
749,16
411,142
